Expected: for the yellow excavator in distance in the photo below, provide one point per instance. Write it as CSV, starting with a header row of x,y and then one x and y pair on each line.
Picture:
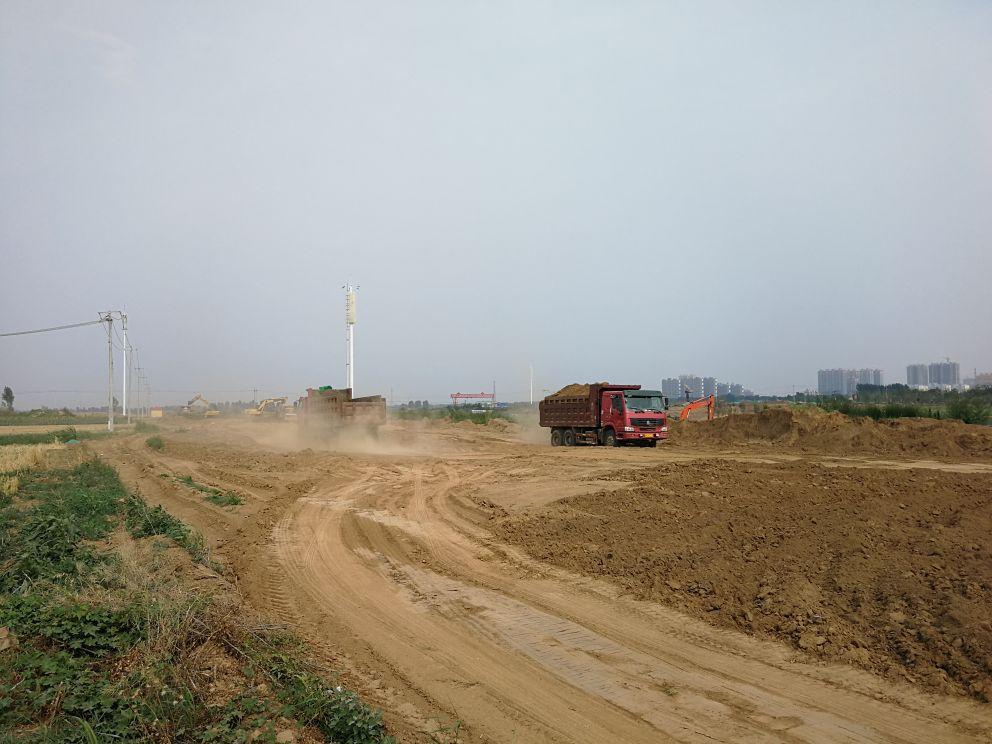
x,y
271,406
210,410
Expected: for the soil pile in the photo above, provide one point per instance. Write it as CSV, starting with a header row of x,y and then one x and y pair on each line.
x,y
575,390
836,433
890,570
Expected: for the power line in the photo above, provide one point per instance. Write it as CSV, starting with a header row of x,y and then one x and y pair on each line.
x,y
54,328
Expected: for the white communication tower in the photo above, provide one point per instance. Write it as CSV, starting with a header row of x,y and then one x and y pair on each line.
x,y
349,322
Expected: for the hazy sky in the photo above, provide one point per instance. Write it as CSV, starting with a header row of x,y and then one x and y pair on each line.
x,y
612,190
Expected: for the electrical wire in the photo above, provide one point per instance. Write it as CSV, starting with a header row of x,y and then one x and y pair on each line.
x,y
53,328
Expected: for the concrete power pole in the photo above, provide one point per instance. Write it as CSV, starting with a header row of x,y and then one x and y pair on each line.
x,y
127,371
110,370
532,384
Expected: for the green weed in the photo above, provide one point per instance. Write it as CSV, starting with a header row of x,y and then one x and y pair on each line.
x,y
155,443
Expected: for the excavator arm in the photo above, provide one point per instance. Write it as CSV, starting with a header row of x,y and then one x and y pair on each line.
x,y
708,402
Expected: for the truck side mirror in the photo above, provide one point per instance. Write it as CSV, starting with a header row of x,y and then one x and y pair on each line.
x,y
665,401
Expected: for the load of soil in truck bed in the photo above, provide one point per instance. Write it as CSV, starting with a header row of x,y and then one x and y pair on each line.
x,y
575,390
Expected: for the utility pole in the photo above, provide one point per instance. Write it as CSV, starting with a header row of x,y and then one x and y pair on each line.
x,y
109,319
127,370
532,384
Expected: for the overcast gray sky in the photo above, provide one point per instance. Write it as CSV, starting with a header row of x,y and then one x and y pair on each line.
x,y
611,190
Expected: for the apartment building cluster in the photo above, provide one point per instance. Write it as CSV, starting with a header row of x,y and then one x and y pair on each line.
x,y
846,381
945,375
693,386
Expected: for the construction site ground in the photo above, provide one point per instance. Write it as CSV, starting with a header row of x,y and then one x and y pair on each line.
x,y
753,581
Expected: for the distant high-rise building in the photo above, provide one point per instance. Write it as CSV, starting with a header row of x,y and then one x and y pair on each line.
x,y
869,377
723,389
671,388
693,384
709,386
945,373
736,389
917,375
846,381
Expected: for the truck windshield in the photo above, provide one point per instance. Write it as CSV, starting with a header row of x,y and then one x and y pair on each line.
x,y
644,403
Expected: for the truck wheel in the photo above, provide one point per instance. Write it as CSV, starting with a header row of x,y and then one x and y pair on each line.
x,y
653,443
610,438
556,437
569,438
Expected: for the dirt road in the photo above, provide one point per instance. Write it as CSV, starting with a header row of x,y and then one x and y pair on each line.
x,y
382,557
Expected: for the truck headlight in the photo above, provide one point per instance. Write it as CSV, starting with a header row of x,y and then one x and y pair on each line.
x,y
664,428
628,428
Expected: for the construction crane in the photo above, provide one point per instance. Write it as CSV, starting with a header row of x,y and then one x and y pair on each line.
x,y
455,397
709,402
276,403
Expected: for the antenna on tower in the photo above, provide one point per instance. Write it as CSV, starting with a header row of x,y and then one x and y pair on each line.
x,y
349,322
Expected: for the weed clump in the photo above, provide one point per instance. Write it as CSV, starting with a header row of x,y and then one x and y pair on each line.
x,y
155,443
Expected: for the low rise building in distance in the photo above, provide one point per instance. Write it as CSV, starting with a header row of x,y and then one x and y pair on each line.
x,y
981,379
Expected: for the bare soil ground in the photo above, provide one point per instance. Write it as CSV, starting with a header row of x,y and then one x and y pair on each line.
x,y
460,576
890,571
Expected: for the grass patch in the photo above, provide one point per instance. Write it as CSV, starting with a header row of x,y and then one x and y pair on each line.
x,y
109,650
211,494
143,427
52,437
49,417
155,443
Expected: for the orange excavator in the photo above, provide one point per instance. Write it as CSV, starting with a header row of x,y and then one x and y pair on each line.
x,y
709,402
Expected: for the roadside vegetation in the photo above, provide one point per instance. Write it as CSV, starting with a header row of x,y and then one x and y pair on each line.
x,y
102,637
211,494
49,417
67,434
969,408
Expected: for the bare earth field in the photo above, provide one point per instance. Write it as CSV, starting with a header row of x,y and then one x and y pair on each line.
x,y
767,582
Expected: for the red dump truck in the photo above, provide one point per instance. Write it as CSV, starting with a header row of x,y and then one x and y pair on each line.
x,y
327,408
606,414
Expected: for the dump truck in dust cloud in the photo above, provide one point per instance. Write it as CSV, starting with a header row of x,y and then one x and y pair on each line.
x,y
325,409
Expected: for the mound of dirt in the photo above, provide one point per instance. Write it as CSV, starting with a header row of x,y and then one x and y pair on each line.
x,y
889,570
576,390
835,433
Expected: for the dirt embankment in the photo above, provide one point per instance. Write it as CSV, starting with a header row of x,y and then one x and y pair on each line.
x,y
835,433
889,570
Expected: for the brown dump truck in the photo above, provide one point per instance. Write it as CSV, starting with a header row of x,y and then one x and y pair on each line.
x,y
329,408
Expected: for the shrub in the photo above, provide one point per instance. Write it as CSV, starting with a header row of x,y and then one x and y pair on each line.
x,y
155,443
970,412
143,427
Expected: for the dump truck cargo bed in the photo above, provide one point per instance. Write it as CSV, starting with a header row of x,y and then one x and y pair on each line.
x,y
570,407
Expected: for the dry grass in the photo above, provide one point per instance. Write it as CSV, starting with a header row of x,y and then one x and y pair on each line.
x,y
9,485
17,457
